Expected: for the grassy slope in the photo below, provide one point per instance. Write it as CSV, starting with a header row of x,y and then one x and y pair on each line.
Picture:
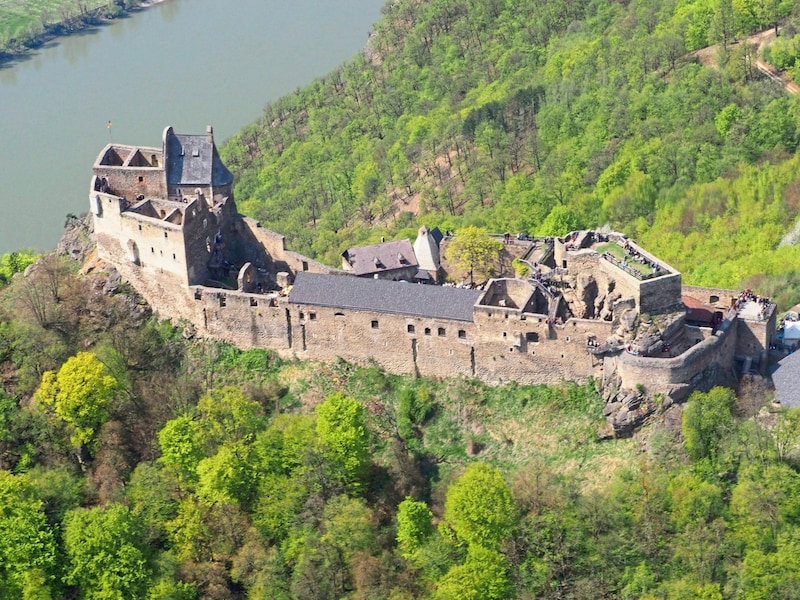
x,y
21,18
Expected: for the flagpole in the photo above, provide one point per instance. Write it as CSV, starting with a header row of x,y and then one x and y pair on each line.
x,y
109,132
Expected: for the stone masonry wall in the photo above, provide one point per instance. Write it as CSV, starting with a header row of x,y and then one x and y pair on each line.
x,y
663,375
131,182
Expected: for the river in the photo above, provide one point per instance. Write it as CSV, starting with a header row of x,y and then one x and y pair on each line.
x,y
185,63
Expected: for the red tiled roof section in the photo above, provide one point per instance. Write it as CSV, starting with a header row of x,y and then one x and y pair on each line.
x,y
697,311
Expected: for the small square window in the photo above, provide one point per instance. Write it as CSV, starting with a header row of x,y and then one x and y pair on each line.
x,y
141,179
462,335
222,301
312,316
374,324
253,302
410,328
441,331
427,331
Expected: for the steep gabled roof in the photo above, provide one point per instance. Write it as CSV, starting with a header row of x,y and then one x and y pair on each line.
x,y
379,258
377,295
786,376
193,160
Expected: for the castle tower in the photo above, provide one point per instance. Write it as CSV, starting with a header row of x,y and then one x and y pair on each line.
x,y
426,247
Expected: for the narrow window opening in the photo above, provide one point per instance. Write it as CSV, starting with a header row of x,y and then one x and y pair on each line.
x,y
441,331
462,334
410,328
253,302
198,295
222,301
312,316
374,324
427,331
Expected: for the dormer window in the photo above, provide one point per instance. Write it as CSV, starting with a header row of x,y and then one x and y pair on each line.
x,y
378,263
401,258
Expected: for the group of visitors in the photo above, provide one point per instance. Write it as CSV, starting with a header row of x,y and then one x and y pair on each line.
x,y
747,295
637,256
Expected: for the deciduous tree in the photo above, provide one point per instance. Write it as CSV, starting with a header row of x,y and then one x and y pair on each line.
x,y
473,250
80,394
480,506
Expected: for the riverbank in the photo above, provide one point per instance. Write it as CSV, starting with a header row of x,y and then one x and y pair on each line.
x,y
16,46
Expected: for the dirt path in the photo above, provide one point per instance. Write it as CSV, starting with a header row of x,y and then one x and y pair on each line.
x,y
707,56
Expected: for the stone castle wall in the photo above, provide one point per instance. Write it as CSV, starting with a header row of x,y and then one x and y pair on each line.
x,y
698,367
167,250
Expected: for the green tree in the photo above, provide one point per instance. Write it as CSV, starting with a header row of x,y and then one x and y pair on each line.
x,y
80,394
472,249
707,421
27,545
182,442
480,507
414,526
342,427
484,576
107,553
230,476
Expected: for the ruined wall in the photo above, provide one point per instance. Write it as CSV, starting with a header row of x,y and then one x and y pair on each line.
x,y
716,297
244,320
756,337
524,347
660,294
398,343
702,366
131,182
274,245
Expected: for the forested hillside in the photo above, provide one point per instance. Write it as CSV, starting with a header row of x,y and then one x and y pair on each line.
x,y
543,116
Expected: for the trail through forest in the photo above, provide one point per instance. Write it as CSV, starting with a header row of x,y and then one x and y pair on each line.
x,y
708,56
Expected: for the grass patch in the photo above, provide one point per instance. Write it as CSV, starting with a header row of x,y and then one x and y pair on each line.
x,y
618,252
22,20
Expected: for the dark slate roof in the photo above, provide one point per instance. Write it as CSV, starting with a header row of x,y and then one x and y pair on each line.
x,y
379,258
437,235
193,160
356,293
786,376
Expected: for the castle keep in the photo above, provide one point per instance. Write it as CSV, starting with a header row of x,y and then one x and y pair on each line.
x,y
593,305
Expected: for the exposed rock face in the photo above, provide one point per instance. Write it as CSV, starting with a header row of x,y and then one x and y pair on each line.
x,y
586,295
77,241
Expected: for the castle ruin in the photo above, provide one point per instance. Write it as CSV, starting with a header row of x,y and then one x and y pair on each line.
x,y
593,305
